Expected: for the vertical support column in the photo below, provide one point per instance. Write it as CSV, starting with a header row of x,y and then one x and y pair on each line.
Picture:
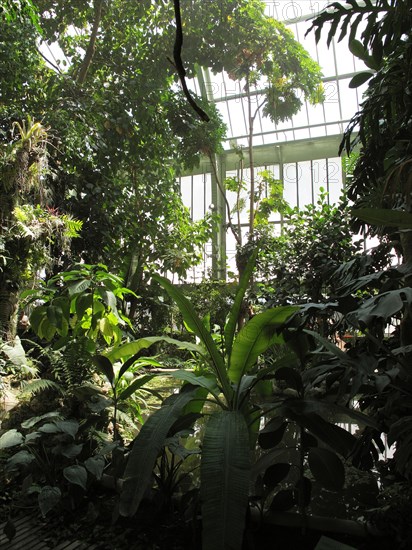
x,y
281,177
219,237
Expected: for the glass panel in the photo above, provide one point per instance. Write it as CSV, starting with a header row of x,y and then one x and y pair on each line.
x,y
289,184
186,190
344,60
316,114
334,180
199,183
349,99
302,134
305,183
318,131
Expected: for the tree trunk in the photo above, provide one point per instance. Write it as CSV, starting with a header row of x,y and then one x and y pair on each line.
x,y
406,324
91,48
8,314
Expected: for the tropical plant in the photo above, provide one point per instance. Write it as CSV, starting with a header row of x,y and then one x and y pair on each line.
x,y
268,198
175,469
228,381
29,229
298,266
275,72
121,131
59,456
80,303
382,127
125,382
75,314
233,388
365,360
124,201
302,442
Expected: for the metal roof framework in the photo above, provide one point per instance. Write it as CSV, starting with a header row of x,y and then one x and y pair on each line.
x,y
303,151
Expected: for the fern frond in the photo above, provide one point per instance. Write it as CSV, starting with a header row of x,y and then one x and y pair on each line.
x,y
42,384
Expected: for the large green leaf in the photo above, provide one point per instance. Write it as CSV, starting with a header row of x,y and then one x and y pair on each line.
x,y
69,451
256,337
275,474
48,498
327,468
358,49
69,427
196,325
360,79
271,435
55,316
105,366
15,353
22,458
207,382
133,348
82,303
11,438
337,438
95,465
384,217
230,327
79,286
224,474
274,456
37,316
108,298
383,306
146,448
77,475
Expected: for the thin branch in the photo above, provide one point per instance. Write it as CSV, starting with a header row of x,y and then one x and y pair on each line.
x,y
258,108
222,191
177,56
55,67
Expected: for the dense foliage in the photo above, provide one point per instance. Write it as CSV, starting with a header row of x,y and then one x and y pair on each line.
x,y
254,419
382,128
300,264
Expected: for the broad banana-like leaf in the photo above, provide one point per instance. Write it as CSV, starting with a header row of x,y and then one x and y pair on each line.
x,y
197,326
255,338
230,327
207,382
146,448
134,348
224,475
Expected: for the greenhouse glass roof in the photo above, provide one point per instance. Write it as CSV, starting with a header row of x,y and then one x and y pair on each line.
x,y
325,120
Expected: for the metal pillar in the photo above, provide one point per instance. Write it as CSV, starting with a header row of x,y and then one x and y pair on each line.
x,y
219,207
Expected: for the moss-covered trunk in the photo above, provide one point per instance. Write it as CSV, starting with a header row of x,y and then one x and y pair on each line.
x,y
8,313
